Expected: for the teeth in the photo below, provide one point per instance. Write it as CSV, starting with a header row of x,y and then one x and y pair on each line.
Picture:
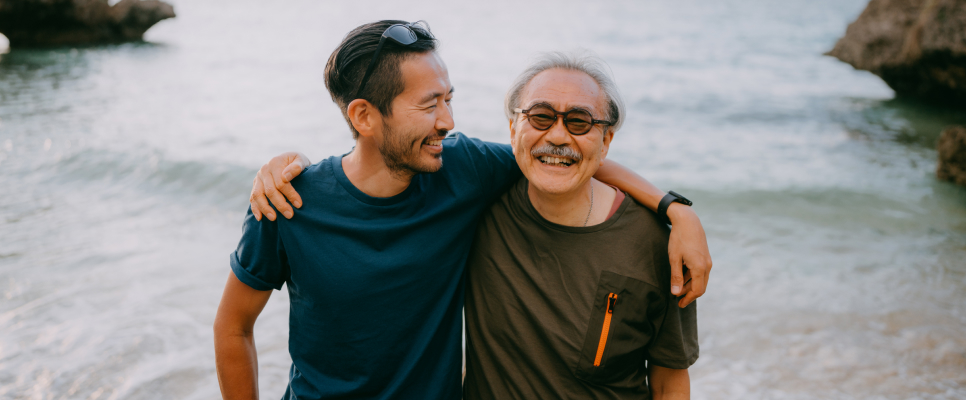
x,y
555,160
435,142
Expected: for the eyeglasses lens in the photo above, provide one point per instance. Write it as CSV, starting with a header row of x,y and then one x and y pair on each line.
x,y
543,117
579,122
401,34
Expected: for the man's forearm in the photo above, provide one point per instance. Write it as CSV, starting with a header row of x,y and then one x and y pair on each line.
x,y
631,183
642,190
237,364
669,384
670,394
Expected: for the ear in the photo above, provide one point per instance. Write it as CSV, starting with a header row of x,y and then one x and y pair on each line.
x,y
364,116
608,136
513,134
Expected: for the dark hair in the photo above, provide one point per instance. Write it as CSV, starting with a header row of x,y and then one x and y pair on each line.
x,y
347,64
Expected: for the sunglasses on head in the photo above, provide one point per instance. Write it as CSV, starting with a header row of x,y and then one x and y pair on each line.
x,y
399,33
578,121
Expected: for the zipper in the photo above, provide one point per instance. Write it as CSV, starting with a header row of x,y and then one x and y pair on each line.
x,y
611,302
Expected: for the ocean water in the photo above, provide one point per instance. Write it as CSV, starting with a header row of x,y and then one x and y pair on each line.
x,y
839,259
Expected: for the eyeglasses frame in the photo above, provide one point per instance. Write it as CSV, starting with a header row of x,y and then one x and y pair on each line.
x,y
564,114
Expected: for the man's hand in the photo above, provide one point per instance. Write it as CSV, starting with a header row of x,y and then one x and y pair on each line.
x,y
688,248
273,182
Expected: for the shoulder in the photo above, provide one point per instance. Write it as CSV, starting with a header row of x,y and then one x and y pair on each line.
x,y
515,197
640,220
321,168
319,187
644,239
457,142
320,171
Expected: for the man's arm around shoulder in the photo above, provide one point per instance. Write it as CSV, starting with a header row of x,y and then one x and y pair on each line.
x,y
669,384
235,358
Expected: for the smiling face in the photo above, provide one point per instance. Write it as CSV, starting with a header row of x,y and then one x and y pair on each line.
x,y
411,138
555,161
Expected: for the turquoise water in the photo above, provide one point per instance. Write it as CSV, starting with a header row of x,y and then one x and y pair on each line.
x,y
839,259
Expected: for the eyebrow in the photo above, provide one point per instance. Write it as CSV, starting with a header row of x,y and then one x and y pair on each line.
x,y
434,95
573,107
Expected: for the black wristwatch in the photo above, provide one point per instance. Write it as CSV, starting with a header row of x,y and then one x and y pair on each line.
x,y
670,197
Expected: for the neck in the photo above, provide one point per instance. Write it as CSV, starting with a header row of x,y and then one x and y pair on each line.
x,y
367,171
571,208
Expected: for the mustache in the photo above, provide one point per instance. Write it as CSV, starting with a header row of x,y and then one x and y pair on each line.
x,y
556,151
440,134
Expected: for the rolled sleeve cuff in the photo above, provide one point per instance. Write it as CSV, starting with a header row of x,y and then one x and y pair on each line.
x,y
248,278
675,364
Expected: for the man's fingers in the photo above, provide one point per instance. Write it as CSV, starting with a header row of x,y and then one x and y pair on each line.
x,y
278,201
686,289
254,207
699,274
695,286
677,276
259,202
690,297
251,200
282,183
292,170
272,184
258,194
699,283
289,192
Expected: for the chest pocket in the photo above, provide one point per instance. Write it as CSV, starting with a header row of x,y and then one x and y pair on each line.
x,y
627,314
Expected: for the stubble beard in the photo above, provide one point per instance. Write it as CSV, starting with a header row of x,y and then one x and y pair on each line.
x,y
401,157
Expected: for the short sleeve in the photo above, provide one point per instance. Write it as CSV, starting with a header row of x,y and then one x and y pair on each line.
x,y
259,261
676,343
494,163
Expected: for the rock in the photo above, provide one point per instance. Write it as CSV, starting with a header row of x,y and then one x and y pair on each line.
x,y
918,47
28,23
952,155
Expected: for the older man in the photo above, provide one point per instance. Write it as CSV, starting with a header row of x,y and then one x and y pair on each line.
x,y
568,292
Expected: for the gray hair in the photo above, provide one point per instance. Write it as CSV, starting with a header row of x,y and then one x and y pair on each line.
x,y
582,61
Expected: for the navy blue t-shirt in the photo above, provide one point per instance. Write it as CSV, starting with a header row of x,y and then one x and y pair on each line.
x,y
376,284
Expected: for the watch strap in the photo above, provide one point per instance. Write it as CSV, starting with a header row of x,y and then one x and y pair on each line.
x,y
670,197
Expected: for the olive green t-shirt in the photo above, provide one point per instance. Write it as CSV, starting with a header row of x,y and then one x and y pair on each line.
x,y
540,297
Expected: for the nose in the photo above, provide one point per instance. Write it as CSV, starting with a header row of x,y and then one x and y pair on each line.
x,y
444,117
558,133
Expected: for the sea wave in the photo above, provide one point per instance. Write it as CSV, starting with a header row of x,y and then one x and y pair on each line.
x,y
156,173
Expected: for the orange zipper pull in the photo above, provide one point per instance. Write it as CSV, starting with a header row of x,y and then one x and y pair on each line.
x,y
611,302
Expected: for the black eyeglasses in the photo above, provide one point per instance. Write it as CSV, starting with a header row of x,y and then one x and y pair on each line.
x,y
399,33
578,121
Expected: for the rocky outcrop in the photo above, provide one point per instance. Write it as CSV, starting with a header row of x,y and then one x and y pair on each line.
x,y
28,23
952,155
918,47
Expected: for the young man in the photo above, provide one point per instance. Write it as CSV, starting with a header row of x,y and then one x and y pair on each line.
x,y
568,282
373,259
